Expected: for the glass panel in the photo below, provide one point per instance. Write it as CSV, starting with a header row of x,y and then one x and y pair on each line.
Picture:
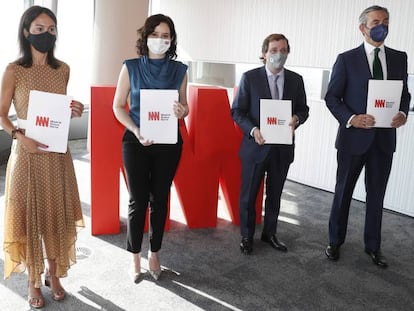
x,y
229,75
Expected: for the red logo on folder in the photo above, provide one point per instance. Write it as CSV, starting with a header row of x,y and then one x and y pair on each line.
x,y
271,120
153,115
379,103
275,121
42,121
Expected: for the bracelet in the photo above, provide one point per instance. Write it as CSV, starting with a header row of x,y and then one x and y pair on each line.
x,y
15,131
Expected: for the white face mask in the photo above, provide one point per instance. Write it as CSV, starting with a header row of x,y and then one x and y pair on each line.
x,y
158,46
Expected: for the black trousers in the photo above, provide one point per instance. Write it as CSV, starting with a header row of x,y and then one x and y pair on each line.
x,y
150,171
275,167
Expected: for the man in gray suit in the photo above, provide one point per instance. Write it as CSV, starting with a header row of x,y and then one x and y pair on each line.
x,y
269,81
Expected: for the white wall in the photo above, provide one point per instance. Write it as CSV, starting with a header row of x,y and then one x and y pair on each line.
x,y
232,31
115,34
315,160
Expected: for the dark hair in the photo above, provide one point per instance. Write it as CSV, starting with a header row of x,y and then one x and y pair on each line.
x,y
150,23
272,37
26,20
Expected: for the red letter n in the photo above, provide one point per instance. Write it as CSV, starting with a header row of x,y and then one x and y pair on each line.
x,y
209,158
271,120
379,103
154,115
42,121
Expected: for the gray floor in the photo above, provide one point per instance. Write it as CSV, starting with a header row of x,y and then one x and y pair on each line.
x,y
204,269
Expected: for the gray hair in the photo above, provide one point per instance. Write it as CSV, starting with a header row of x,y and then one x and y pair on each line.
x,y
363,16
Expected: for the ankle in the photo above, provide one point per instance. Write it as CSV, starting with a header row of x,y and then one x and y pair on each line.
x,y
153,256
32,287
34,292
49,273
52,281
153,260
137,261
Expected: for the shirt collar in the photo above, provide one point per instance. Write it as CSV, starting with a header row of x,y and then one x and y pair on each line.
x,y
369,48
270,74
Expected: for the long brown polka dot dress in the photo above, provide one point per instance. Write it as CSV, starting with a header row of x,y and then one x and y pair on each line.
x,y
42,206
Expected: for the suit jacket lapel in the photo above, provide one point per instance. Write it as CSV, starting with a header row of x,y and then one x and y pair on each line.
x,y
362,61
286,86
264,87
391,60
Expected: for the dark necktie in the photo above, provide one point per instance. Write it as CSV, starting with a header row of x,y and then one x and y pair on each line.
x,y
276,88
376,66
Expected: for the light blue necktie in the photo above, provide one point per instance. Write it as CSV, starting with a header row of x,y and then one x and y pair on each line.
x,y
276,95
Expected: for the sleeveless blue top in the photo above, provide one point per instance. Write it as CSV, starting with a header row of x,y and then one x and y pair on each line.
x,y
145,73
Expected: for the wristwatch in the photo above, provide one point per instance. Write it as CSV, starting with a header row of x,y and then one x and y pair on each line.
x,y
15,131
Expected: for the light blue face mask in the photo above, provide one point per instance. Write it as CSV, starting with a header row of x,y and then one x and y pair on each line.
x,y
277,60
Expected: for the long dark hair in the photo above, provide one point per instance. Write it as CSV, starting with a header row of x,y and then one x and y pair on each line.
x,y
149,27
26,20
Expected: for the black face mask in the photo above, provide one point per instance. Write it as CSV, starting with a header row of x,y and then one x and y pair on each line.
x,y
43,42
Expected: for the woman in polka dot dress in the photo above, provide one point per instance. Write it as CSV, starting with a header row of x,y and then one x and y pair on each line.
x,y
42,206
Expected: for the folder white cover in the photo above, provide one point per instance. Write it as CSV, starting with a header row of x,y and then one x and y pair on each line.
x,y
158,122
383,102
48,120
275,116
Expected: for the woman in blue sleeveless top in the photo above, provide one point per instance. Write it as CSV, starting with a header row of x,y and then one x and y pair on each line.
x,y
149,167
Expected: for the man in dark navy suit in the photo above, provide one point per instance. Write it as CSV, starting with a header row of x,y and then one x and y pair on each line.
x,y
269,81
359,144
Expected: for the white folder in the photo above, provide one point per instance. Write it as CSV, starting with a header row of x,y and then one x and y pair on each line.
x,y
383,102
158,122
275,116
48,120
